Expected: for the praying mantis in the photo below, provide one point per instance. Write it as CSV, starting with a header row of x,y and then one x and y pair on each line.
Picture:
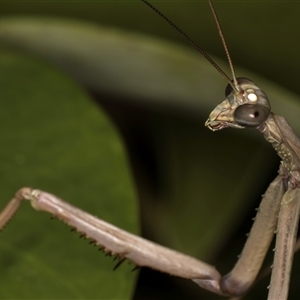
x,y
32,195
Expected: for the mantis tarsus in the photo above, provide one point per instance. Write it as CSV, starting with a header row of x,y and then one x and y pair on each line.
x,y
242,95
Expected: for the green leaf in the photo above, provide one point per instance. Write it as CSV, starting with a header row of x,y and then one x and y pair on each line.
x,y
54,138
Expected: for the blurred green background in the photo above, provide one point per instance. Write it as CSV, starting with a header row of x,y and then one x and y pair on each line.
x,y
97,111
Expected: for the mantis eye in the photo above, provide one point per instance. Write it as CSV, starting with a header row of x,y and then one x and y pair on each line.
x,y
256,107
228,90
241,81
251,115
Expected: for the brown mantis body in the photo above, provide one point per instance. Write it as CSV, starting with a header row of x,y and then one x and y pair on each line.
x,y
244,100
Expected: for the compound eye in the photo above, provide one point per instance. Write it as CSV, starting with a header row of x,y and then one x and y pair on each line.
x,y
251,115
228,90
240,81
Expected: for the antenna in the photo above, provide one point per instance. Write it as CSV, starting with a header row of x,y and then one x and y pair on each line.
x,y
234,85
223,42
